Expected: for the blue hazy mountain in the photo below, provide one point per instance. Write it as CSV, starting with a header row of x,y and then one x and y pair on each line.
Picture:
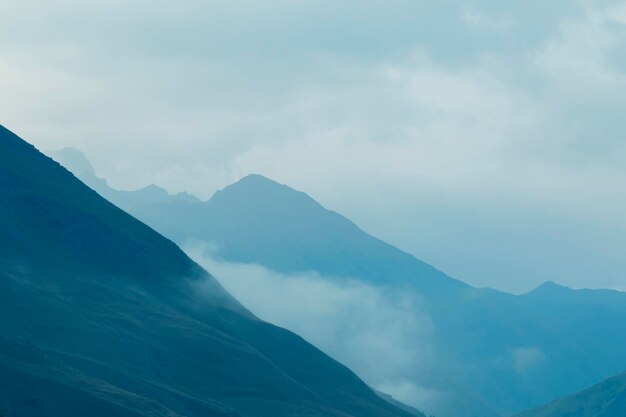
x,y
500,353
82,168
606,399
260,221
102,316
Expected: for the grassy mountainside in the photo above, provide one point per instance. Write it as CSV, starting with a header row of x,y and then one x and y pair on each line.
x,y
101,314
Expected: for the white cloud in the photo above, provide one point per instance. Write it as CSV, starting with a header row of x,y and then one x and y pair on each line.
x,y
526,359
408,392
378,333
484,21
524,122
617,13
580,56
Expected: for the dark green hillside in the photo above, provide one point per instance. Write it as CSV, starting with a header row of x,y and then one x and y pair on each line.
x,y
102,316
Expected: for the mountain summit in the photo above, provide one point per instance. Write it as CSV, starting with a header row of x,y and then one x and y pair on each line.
x,y
104,317
76,161
257,220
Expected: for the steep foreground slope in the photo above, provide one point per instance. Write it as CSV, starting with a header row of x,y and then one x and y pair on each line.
x,y
606,399
101,316
497,353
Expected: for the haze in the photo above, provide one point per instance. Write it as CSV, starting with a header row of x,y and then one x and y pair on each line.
x,y
485,138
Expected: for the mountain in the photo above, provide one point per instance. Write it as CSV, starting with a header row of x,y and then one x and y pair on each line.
x,y
260,221
102,316
76,161
257,220
606,399
497,353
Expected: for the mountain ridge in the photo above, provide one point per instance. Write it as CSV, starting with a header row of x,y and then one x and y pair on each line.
x,y
267,196
498,353
99,310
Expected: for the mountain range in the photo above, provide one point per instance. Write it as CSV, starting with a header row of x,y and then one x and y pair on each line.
x,y
498,353
103,316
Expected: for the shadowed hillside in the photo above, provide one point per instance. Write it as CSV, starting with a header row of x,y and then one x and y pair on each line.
x,y
102,316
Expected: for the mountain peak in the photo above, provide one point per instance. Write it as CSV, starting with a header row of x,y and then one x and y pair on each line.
x,y
258,179
74,160
551,285
78,163
548,288
258,220
261,182
260,191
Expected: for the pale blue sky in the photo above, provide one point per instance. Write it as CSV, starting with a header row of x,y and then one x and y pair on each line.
x,y
486,137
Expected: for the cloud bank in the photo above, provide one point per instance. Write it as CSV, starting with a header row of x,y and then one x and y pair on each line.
x,y
380,334
486,138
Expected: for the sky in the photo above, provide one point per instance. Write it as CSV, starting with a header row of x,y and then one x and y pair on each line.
x,y
485,137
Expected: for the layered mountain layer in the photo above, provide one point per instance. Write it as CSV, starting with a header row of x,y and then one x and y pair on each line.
x,y
496,353
606,399
102,316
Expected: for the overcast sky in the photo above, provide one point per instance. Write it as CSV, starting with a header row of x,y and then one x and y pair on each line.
x,y
486,137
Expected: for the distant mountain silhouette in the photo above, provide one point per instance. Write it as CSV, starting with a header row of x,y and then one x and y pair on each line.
x,y
80,166
499,353
102,316
606,399
257,220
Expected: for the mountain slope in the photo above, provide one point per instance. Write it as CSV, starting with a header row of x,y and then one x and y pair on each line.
x,y
76,161
498,353
50,218
100,312
259,221
606,399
